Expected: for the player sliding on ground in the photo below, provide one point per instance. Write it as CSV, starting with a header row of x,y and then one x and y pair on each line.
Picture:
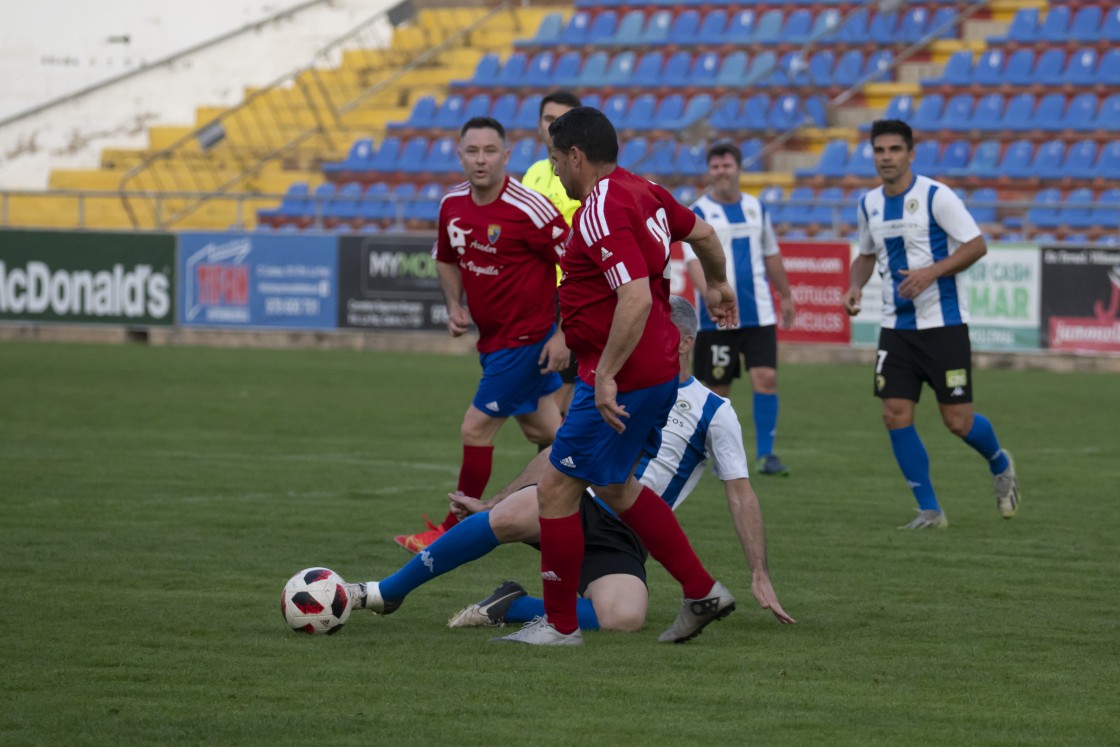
x,y
612,584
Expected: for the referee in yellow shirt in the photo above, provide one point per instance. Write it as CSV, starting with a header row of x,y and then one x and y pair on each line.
x,y
541,177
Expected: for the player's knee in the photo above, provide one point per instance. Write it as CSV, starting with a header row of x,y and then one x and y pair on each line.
x,y
958,425
623,619
766,381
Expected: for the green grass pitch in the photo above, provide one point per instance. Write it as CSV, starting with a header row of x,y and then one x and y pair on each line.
x,y
154,500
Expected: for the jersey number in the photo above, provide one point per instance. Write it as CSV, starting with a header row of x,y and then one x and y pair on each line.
x,y
881,355
721,355
658,225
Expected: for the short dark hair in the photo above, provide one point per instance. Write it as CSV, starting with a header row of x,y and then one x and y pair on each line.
x,y
892,127
483,123
587,129
560,96
724,148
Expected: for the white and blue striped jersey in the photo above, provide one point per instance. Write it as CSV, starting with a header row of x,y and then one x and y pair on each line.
x,y
747,235
915,229
701,425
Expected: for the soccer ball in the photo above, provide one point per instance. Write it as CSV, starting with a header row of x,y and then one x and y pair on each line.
x,y
314,601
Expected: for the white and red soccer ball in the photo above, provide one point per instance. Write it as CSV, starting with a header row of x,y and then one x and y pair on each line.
x,y
314,601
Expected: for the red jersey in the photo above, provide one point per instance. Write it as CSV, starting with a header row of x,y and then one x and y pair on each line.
x,y
507,253
622,234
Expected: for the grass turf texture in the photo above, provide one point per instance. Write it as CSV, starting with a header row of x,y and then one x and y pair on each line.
x,y
154,501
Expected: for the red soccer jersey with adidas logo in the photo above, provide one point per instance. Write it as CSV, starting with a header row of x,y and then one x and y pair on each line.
x,y
507,253
622,234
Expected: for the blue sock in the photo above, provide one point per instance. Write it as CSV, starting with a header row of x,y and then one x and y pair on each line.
x,y
913,460
525,609
468,540
765,422
982,437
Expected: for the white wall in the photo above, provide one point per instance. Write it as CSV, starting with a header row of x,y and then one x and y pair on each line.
x,y
60,46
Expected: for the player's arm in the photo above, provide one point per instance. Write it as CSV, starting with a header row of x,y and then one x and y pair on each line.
x,y
630,315
953,217
718,296
862,266
747,515
776,271
451,283
463,505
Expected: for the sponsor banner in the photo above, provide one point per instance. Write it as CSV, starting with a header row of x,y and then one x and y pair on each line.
x,y
389,282
87,277
1081,299
257,280
1004,292
818,278
680,284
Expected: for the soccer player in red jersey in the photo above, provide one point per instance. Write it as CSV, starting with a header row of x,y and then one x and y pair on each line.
x,y
614,302
499,243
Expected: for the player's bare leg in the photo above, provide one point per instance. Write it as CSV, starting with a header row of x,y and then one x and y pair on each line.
x,y
620,601
540,426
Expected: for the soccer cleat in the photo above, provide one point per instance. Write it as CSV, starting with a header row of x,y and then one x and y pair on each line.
x,y
771,465
695,614
1007,489
368,596
539,632
927,518
414,543
491,611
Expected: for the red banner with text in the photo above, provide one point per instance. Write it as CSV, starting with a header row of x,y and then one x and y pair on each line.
x,y
818,278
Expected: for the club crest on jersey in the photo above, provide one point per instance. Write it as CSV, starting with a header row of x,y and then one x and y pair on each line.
x,y
880,382
912,205
493,231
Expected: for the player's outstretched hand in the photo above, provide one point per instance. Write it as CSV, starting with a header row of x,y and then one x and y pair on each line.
x,y
606,399
764,592
458,321
851,301
722,306
463,505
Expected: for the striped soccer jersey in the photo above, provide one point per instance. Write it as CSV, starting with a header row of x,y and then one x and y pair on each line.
x,y
745,231
915,229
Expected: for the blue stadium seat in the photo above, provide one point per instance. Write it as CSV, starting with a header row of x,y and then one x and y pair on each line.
x,y
691,160
1024,28
989,68
666,115
1086,25
602,28
1106,209
566,72
771,196
647,71
861,163
425,205
914,25
1081,114
550,32
685,27
360,158
1110,31
854,30
1044,210
685,194
796,28
762,65
615,108
751,149
815,109
925,158
698,107
982,205
954,157
441,157
594,70
791,71
401,195
957,114
1108,73
538,73
522,155
629,31
657,29
1050,113
1077,211
476,106
849,69
732,71
1016,161
712,29
958,70
833,162
753,115
1020,68
1055,28
768,30
827,209
675,72
877,69
295,204
1048,158
621,70
725,114
825,26
985,160
704,69
900,107
576,32
659,161
375,205
528,113
1108,164
883,28
485,72
1018,115
1081,69
633,151
740,28
450,113
799,207
640,114
1081,160
789,113
1049,68
505,109
413,153
988,114
388,155
1108,116
512,73
320,201
927,115
821,65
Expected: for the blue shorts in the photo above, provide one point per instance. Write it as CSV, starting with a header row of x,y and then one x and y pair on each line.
x,y
589,449
512,382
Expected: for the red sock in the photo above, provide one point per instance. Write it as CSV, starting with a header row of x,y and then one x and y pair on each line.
x,y
474,473
656,525
561,561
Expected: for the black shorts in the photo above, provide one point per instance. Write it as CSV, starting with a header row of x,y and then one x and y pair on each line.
x,y
609,546
715,359
568,375
940,357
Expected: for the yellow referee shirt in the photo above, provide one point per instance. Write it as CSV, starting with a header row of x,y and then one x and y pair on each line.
x,y
542,178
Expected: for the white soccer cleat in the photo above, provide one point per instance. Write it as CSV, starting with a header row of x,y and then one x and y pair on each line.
x,y
368,596
928,519
695,614
1007,489
539,632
